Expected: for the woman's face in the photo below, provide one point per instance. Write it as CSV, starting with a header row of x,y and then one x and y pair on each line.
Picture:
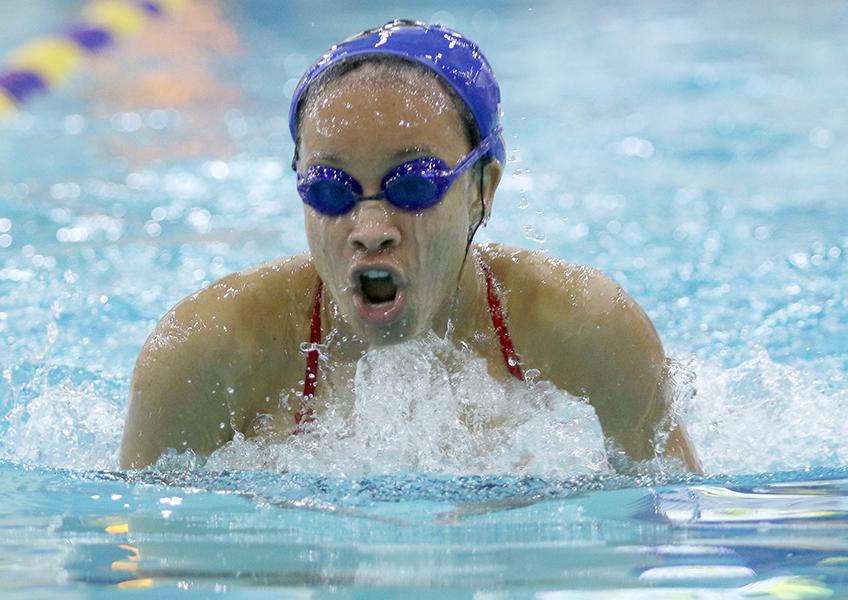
x,y
391,272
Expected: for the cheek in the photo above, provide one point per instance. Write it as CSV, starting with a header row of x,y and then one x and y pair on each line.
x,y
441,232
314,231
320,235
454,215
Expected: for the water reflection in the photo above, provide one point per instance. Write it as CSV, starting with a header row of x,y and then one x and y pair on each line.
x,y
764,538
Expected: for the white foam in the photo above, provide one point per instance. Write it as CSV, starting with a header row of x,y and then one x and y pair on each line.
x,y
426,406
67,425
765,416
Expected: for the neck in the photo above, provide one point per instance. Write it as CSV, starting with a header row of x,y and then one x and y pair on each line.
x,y
458,318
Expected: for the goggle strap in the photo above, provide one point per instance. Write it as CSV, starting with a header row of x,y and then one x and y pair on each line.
x,y
475,154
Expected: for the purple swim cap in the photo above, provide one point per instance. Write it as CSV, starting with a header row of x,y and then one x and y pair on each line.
x,y
450,55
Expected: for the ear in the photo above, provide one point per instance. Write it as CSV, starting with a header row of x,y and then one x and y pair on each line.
x,y
491,177
492,173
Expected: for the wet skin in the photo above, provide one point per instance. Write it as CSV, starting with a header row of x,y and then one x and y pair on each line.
x,y
220,361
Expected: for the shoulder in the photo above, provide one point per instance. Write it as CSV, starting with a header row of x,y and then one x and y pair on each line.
x,y
220,356
237,311
566,313
548,291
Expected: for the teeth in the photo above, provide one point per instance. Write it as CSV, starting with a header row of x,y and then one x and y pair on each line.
x,y
377,285
376,274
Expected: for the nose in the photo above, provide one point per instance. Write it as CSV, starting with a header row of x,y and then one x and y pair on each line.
x,y
373,229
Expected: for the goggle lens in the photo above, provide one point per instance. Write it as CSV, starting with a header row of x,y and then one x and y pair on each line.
x,y
330,197
412,192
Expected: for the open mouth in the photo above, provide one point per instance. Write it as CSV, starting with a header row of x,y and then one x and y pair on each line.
x,y
380,295
377,286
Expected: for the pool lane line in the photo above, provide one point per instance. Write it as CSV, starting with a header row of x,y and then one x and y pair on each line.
x,y
48,61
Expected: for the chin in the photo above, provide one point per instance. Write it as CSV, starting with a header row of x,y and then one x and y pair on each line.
x,y
388,335
403,329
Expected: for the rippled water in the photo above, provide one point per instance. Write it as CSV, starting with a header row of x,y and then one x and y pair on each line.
x,y
693,152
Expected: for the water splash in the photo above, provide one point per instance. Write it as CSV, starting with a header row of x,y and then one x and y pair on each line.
x,y
60,417
765,416
427,406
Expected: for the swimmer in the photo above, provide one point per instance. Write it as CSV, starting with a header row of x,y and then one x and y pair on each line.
x,y
398,153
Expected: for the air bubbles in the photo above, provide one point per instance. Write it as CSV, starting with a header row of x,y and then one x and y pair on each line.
x,y
200,219
269,169
533,235
185,186
5,240
713,241
41,261
21,121
443,17
71,235
577,232
728,211
153,229
821,138
52,333
127,122
20,190
142,180
217,169
61,191
485,21
158,119
5,225
74,124
635,147
799,260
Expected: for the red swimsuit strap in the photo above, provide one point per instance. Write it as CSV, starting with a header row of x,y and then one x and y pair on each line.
x,y
310,378
511,358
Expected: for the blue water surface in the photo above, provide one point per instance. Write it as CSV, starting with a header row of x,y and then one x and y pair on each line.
x,y
695,152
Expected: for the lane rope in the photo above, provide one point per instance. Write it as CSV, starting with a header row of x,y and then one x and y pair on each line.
x,y
48,61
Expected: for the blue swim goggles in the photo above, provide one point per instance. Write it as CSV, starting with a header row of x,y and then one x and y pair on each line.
x,y
415,185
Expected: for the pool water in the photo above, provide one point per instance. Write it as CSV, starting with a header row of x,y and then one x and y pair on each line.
x,y
693,152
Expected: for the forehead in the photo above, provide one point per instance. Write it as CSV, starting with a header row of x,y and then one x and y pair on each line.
x,y
375,114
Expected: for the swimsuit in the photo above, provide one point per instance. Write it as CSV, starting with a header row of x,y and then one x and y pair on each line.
x,y
310,378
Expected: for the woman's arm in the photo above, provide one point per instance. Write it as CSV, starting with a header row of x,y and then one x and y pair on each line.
x,y
593,340
179,393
